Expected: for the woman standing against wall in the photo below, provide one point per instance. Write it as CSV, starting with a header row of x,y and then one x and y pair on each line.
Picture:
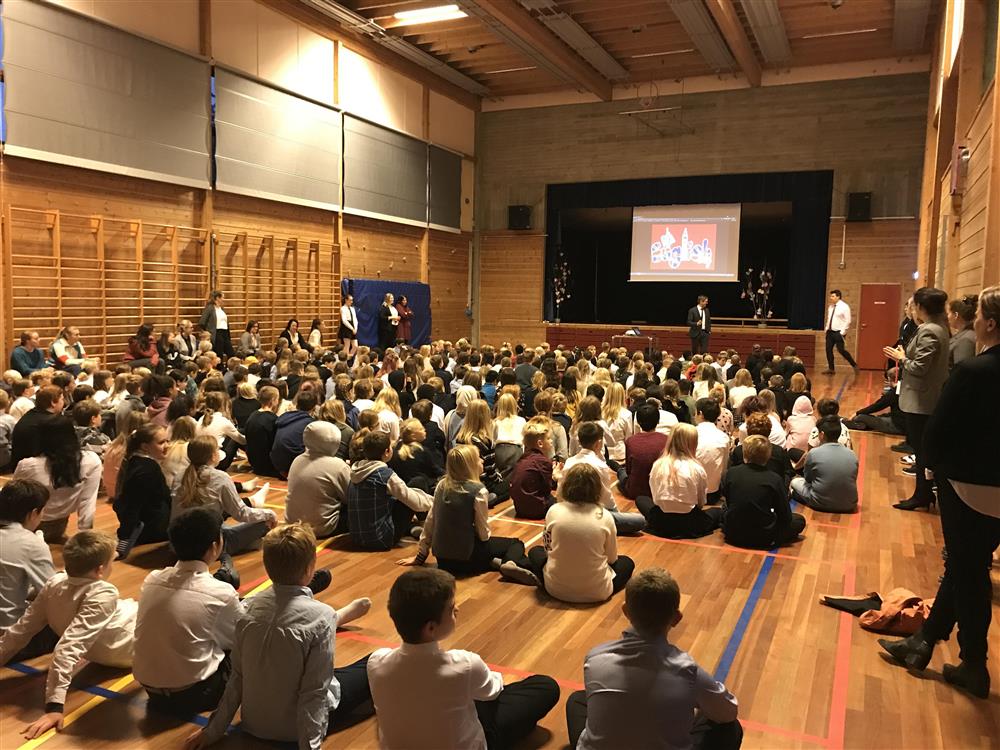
x,y
215,321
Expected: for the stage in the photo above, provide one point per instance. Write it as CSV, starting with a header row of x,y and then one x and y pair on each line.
x,y
674,339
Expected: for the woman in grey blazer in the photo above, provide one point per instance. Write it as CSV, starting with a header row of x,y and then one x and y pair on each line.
x,y
924,368
961,316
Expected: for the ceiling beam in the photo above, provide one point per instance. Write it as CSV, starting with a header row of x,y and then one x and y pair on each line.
x,y
732,31
511,22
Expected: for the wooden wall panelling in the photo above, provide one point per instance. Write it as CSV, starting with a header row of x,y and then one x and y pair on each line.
x,y
512,279
883,251
448,276
374,249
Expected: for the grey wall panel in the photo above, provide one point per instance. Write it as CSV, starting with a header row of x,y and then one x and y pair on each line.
x,y
385,173
445,188
275,145
85,94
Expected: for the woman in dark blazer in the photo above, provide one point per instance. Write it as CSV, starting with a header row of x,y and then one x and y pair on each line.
x,y
923,368
960,447
388,322
215,321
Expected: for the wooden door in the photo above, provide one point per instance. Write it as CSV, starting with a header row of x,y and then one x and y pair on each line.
x,y
878,322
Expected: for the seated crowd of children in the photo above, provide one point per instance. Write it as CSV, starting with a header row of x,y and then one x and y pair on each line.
x,y
417,443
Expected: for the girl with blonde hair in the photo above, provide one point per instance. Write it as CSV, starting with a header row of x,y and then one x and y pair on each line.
x,y
618,418
332,411
742,388
114,454
679,485
462,548
508,433
416,466
203,485
725,422
387,406
216,422
477,430
182,431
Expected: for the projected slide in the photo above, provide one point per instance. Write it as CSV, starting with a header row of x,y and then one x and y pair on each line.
x,y
685,243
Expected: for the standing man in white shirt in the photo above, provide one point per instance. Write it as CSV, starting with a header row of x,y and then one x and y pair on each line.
x,y
838,320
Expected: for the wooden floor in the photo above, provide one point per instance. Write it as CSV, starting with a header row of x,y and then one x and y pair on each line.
x,y
805,675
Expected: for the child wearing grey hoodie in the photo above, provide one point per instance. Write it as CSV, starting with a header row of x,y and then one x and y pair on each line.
x,y
318,482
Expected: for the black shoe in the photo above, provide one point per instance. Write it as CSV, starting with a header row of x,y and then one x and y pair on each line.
x,y
913,652
973,678
492,501
227,572
914,504
124,546
910,471
320,581
903,447
829,372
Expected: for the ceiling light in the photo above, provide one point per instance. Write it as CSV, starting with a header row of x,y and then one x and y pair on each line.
x,y
508,70
662,54
764,17
838,33
703,33
429,15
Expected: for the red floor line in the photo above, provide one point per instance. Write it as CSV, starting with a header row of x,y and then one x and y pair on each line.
x,y
756,726
837,729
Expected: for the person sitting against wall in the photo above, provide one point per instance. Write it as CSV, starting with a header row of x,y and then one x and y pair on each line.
x,y
293,337
250,340
66,351
185,342
28,357
141,351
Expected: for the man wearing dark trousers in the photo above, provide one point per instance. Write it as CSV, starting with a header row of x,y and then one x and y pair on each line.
x,y
838,320
699,322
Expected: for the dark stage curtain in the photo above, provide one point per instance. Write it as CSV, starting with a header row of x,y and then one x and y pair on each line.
x,y
613,299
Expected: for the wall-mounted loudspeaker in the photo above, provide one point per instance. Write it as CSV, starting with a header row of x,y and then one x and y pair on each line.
x,y
519,217
859,206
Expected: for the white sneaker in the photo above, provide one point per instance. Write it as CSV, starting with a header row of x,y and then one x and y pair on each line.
x,y
516,573
908,460
260,496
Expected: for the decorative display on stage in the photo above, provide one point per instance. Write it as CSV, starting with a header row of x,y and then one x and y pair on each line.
x,y
757,291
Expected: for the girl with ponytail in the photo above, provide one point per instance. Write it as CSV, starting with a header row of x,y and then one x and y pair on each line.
x,y
216,421
204,485
142,498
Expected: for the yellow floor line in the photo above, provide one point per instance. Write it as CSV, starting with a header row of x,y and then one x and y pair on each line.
x,y
72,716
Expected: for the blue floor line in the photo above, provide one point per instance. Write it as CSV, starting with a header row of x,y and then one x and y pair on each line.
x,y
733,646
103,692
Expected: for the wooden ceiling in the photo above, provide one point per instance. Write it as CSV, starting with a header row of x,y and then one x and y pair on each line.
x,y
645,37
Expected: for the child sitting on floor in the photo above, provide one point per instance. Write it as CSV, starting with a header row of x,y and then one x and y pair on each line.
x,y
531,482
429,698
84,610
591,439
642,691
380,506
580,560
283,680
25,560
457,529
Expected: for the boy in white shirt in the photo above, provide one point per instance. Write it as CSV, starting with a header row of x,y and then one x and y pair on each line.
x,y
426,698
591,438
186,620
713,446
25,560
93,624
22,391
642,691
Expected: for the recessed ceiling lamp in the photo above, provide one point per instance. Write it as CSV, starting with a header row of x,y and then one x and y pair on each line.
x,y
662,54
429,15
838,33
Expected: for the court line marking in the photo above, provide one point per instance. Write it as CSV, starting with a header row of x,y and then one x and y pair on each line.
x,y
733,645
